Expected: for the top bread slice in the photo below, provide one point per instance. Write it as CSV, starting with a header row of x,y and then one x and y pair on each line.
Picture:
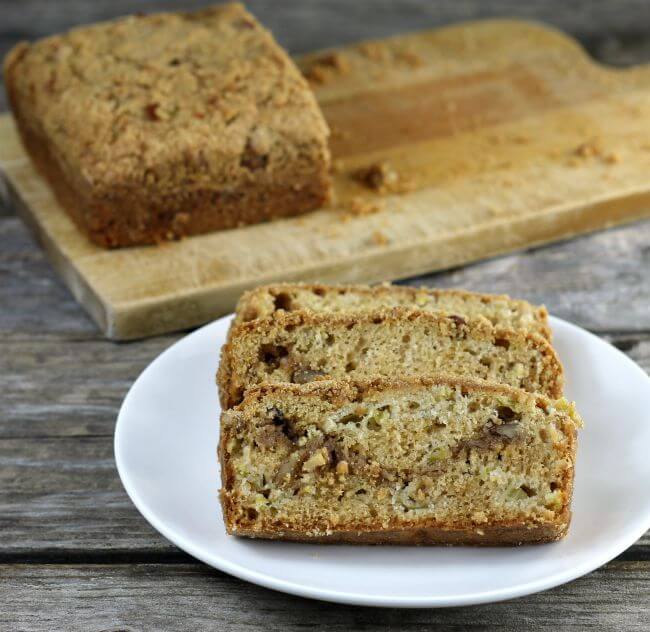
x,y
499,309
302,346
151,127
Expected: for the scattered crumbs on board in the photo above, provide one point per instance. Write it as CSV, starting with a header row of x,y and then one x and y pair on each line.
x,y
379,239
613,158
326,67
359,207
383,178
592,149
588,149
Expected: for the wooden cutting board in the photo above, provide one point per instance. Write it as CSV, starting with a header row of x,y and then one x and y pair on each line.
x,y
497,135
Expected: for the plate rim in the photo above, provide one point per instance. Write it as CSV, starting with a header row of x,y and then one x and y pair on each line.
x,y
266,580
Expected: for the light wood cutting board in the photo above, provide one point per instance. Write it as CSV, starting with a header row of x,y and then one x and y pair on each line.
x,y
508,134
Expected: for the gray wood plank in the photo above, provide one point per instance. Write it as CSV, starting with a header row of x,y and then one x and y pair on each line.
x,y
64,495
303,25
193,597
57,385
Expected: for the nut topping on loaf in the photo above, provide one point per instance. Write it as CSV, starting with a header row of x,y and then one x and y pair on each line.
x,y
434,459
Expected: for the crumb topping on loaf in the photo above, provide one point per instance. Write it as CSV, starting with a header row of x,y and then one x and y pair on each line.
x,y
169,99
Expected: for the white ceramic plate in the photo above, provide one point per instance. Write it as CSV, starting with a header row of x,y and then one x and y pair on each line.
x,y
165,446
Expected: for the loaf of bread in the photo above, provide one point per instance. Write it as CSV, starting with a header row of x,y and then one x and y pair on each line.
x,y
154,127
415,461
499,309
302,346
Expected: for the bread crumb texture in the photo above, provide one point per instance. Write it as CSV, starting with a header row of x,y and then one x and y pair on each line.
x,y
499,309
379,342
417,460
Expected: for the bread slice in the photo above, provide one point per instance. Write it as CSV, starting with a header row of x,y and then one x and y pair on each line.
x,y
499,309
429,460
302,346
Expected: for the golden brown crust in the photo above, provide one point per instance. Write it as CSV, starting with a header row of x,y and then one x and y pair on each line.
x,y
231,379
262,300
209,127
506,534
423,531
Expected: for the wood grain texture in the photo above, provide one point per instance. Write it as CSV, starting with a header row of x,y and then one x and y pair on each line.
x,y
192,597
599,282
488,122
61,382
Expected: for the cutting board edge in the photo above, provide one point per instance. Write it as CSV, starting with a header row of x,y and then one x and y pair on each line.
x,y
222,298
95,306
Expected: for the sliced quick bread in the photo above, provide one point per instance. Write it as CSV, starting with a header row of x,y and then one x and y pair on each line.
x,y
302,346
429,460
499,309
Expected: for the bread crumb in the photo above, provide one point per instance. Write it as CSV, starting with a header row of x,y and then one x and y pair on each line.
x,y
588,149
380,239
373,50
360,206
383,178
593,149
326,67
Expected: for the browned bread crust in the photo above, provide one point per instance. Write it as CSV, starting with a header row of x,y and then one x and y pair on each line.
x,y
500,309
498,534
153,127
242,356
336,394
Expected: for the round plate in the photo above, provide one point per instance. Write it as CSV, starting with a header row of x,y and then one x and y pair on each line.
x,y
165,448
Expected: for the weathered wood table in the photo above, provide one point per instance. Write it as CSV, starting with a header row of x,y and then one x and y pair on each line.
x,y
76,555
